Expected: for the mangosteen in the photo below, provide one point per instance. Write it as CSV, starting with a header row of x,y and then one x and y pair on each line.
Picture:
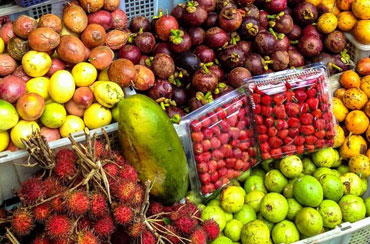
x,y
225,4
312,30
245,3
131,53
328,60
284,24
180,41
342,61
253,62
140,22
295,33
251,11
194,104
246,46
223,90
293,3
211,20
162,47
208,5
161,88
197,35
145,42
295,59
335,42
265,43
230,19
231,57
305,13
216,37
204,81
188,61
178,11
175,113
217,71
310,46
275,6
280,60
264,21
249,28
194,15
288,11
282,44
179,96
205,54
238,77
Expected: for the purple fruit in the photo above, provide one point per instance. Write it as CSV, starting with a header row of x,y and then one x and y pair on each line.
x,y
205,54
282,44
305,13
246,46
265,43
276,6
179,96
295,59
216,37
295,33
280,60
211,20
139,22
231,57
197,35
251,11
310,46
161,88
249,28
284,24
335,42
264,21
253,62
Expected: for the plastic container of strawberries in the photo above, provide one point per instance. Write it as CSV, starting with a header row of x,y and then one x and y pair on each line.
x,y
219,141
292,111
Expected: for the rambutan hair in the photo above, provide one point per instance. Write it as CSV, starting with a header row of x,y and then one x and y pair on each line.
x,y
83,223
99,206
57,204
41,239
78,203
119,159
211,228
148,238
22,222
185,225
123,214
125,190
31,191
135,229
58,227
87,237
104,227
128,172
155,208
138,196
111,170
42,212
199,236
172,234
52,186
65,166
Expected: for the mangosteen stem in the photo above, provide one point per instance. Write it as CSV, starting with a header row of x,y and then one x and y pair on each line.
x,y
160,14
175,118
273,33
294,42
205,68
272,23
233,40
271,16
176,36
191,6
281,14
141,30
281,36
229,13
336,67
307,14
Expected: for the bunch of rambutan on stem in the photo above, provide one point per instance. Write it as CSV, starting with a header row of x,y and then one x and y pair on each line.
x,y
90,195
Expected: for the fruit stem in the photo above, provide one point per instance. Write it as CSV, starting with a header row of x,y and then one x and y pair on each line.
x,y
273,33
176,36
281,36
336,67
271,16
294,42
272,23
205,68
175,118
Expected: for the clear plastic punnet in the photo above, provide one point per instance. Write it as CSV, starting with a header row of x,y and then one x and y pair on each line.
x,y
220,141
292,111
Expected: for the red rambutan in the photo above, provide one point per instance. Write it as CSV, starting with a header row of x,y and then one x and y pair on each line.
x,y
211,228
61,241
41,239
22,222
104,226
58,227
155,208
100,150
57,204
125,190
65,166
185,225
191,209
84,223
172,234
138,196
42,212
66,154
111,169
123,215
148,238
119,159
31,191
99,206
199,236
128,172
52,186
78,203
87,237
136,229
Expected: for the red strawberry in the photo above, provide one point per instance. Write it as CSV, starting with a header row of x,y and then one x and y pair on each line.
x,y
300,149
206,145
238,165
313,103
293,132
310,148
243,135
275,142
217,154
226,150
206,122
320,134
242,124
258,119
198,148
272,131
281,124
202,167
195,125
212,166
279,112
310,140
245,157
276,153
320,143
288,140
213,118
263,138
208,189
320,124
289,149
232,120
218,184
234,133
230,163
325,107
207,133
289,96
329,142
206,156
304,108
197,136
278,99
269,121
306,119
257,109
237,153
214,177
328,117
283,133
220,112
292,109
220,164
224,126
222,172
324,97
265,156
216,130
261,129
299,140
293,122
266,100
266,111
300,95
330,134
224,138
307,130
252,151
235,143
316,113
311,92
205,178
265,147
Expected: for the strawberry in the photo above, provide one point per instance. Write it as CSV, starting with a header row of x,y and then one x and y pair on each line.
x,y
242,124
207,133
213,118
258,119
272,131
217,154
220,112
275,142
216,130
224,138
324,97
215,143
311,92
265,156
252,151
293,132
293,122
320,124
230,163
283,133
316,113
289,96
234,133
330,134
278,99
304,108
230,174
281,124
243,135
212,166
327,116
226,150
218,184
232,120
325,107
310,148
197,137
266,100
276,153
198,148
205,178
237,153
214,177
307,130
320,134
220,164
222,172
235,143
241,114
206,122
265,147
257,109
224,126
206,144
292,109
245,156
300,95
329,142
202,168
195,126
239,165
310,140
209,188
206,156
299,140
266,111
263,138
306,119
279,112
313,103
320,143
289,149
261,129
288,140
300,149
269,121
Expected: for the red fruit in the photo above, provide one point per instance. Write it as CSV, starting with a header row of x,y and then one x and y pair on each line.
x,y
57,204
310,148
84,223
31,191
66,154
220,164
206,144
205,178
155,208
123,215
324,98
218,184
207,133
288,140
230,163
78,203
212,117
222,172
42,212
330,134
58,227
265,147
265,156
205,121
301,96
242,124
99,206
264,138
320,143
22,222
87,237
313,103
195,125
198,148
104,227
125,190
41,239
306,119
256,98
51,186
266,110
211,228
232,120
221,113
320,134
234,133
310,140
148,238
293,132
111,169
311,92
230,174
226,150
325,107
266,100
239,165
65,168
289,96
328,117
304,108
197,136
320,124
293,122
199,236
185,225
276,153
128,172
241,113
217,155
261,129
283,133
225,127
300,149
269,121
99,149
206,156
278,99
214,177
257,109
237,153
272,131
292,109
224,138
279,112
275,142
307,130
202,168
299,140
258,119
289,149
216,130
281,124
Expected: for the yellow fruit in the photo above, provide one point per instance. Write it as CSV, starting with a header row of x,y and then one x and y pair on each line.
x,y
4,140
84,74
339,136
39,85
344,4
54,115
314,2
71,125
339,93
2,45
340,111
61,86
353,145
108,93
36,64
360,165
103,75
346,21
327,23
336,11
355,98
23,129
367,109
365,85
66,31
361,31
357,122
368,134
368,153
361,9
97,116
350,79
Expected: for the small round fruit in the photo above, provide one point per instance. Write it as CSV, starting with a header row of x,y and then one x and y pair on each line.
x,y
108,93
84,74
71,125
346,21
232,199
222,240
308,191
308,166
249,231
275,181
285,232
294,208
339,136
309,222
215,213
61,86
339,110
325,157
8,115
254,199
39,85
355,98
103,75
353,208
351,183
274,207
331,213
23,129
350,79
353,145
360,165
245,215
54,115
97,116
291,166
233,230
288,189
30,106
36,64
254,183
327,23
357,122
332,187
4,140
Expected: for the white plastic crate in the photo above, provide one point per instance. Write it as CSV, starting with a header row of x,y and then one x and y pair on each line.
x,y
355,49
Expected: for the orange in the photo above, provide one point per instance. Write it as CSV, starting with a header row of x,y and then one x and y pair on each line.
x,y
357,122
365,85
355,98
350,79
346,21
339,93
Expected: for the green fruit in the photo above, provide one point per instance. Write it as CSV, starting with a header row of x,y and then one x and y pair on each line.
x,y
288,189
253,199
8,115
201,206
338,160
259,172
268,165
150,143
367,204
228,216
232,199
308,166
291,166
352,184
325,157
308,191
274,207
254,183
214,202
244,175
331,213
193,197
115,113
332,187
54,115
233,229
249,233
335,172
269,224
275,181
245,215
309,222
353,208
364,185
234,182
215,213
343,169
285,232
322,171
222,240
293,208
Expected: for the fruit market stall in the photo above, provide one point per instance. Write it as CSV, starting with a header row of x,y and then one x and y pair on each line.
x,y
184,122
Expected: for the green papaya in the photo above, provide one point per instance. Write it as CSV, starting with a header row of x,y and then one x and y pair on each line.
x,y
150,143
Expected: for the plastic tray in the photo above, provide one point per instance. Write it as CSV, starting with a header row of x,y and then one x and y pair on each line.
x,y
356,50
28,3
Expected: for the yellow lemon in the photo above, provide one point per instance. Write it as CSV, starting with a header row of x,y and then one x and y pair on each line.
x,y
36,64
61,86
23,129
103,75
54,115
84,74
39,85
339,136
97,116
71,125
327,23
340,111
2,45
4,140
108,93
